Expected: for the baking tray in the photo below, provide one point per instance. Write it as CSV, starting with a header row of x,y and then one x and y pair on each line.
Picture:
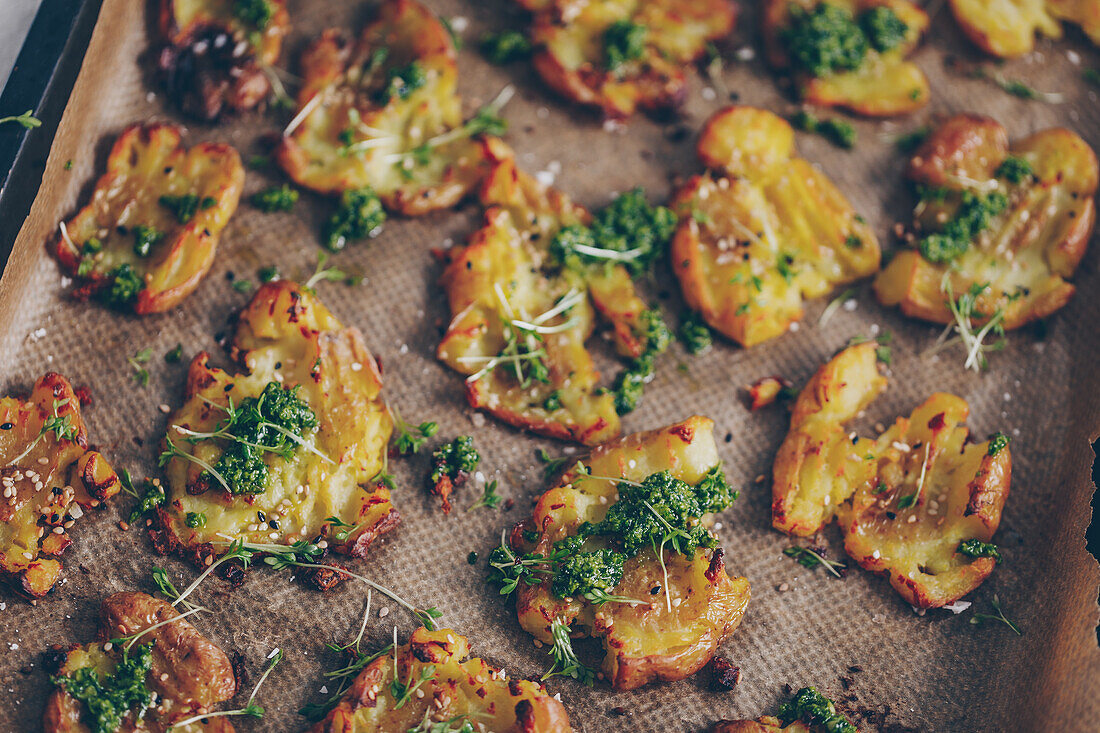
x,y
931,672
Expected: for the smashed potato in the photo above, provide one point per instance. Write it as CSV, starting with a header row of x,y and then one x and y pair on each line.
x,y
454,690
49,477
676,630
1007,29
383,112
504,283
618,55
839,57
188,673
764,231
148,236
907,501
219,53
295,353
1022,258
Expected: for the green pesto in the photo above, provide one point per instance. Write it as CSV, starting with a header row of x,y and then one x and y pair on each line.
x,y
884,29
276,198
454,459
145,238
505,47
973,216
814,709
824,40
623,42
977,548
997,443
360,215
109,699
694,333
123,286
1014,170
402,81
186,206
253,13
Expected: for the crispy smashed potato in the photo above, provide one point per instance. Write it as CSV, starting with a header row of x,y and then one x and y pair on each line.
x,y
189,674
504,275
285,337
645,642
764,231
218,53
620,55
1007,29
134,245
49,478
455,691
1022,260
905,501
383,112
883,84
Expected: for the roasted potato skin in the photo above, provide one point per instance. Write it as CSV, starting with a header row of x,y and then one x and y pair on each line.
x,y
904,501
286,334
818,464
511,252
42,500
189,673
569,37
211,62
1008,29
337,83
146,162
1030,250
644,643
884,86
459,688
763,231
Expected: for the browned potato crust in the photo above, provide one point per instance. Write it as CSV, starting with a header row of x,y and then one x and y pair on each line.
x,y
286,334
504,273
467,690
189,673
50,478
764,231
569,35
1007,28
352,133
647,642
147,162
213,60
884,85
1029,251
905,501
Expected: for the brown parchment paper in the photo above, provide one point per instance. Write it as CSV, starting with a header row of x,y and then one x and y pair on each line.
x,y
854,639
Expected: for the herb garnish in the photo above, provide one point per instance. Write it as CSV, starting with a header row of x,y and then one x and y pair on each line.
x,y
553,465
997,443
144,239
327,274
149,498
489,497
884,29
401,82
342,678
505,47
195,519
630,383
910,141
174,355
811,558
27,120
824,40
454,460
274,422
253,13
403,691
566,663
973,216
140,373
1014,169
813,708
623,41
125,284
978,618
694,333
971,336
186,206
243,286
838,132
977,548
359,216
60,425
281,198
410,438
108,699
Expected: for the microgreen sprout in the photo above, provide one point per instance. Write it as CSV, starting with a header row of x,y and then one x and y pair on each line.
x,y
60,425
27,120
251,709
566,663
979,618
966,332
810,558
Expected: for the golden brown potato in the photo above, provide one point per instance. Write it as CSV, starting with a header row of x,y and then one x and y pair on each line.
x,y
504,275
133,247
905,501
764,231
361,122
188,674
677,631
218,53
884,84
581,48
50,478
1029,249
286,337
1007,28
456,691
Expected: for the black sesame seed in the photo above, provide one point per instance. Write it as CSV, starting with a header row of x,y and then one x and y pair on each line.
x,y
7,426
